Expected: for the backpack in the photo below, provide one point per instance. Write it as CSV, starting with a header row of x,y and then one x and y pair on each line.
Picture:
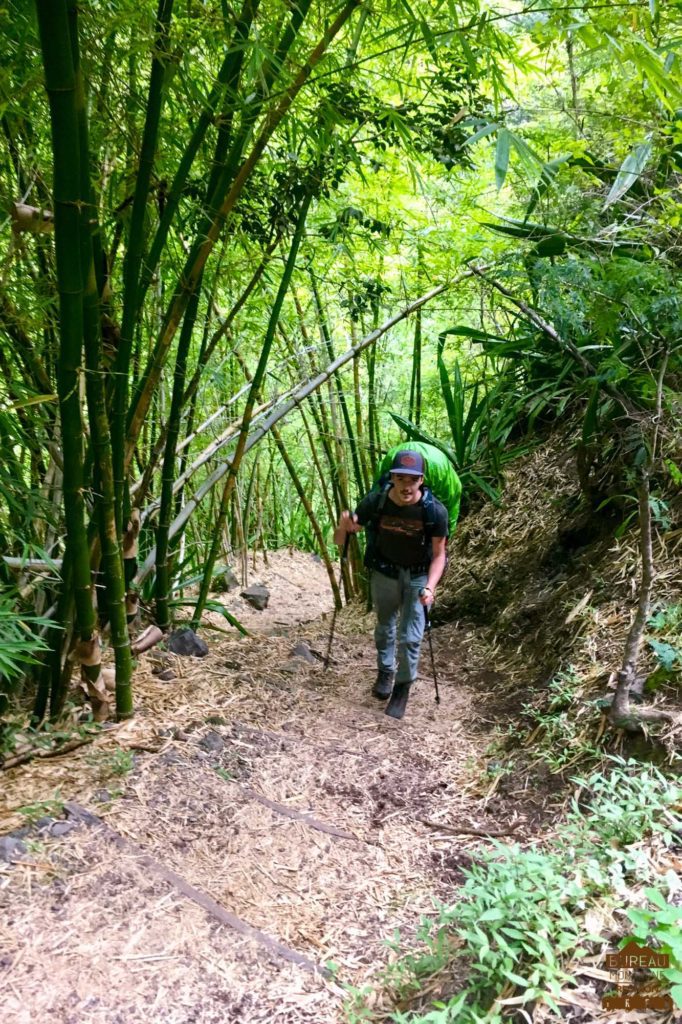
x,y
440,477
440,482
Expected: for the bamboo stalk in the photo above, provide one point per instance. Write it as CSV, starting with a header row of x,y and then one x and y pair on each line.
x,y
53,24
319,414
359,428
338,386
98,419
162,590
134,253
225,86
215,215
305,502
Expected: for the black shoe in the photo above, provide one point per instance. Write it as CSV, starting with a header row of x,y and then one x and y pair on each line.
x,y
398,702
384,684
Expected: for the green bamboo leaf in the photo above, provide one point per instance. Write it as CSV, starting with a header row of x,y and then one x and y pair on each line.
x,y
450,406
429,38
522,229
516,978
472,332
528,157
630,171
487,129
501,157
24,403
494,914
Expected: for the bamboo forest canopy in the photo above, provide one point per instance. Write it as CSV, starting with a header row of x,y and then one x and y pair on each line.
x,y
247,248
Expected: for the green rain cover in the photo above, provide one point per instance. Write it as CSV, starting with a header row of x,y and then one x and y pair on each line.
x,y
440,475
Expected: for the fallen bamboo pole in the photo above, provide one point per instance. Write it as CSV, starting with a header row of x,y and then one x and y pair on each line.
x,y
279,412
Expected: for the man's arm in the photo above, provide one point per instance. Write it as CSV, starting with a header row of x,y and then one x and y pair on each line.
x,y
348,523
436,569
353,522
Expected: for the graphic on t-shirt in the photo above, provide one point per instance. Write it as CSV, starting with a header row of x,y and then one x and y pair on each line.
x,y
395,524
401,537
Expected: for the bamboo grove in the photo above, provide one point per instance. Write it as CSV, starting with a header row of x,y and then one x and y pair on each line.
x,y
218,309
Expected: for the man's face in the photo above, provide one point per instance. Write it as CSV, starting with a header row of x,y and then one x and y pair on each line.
x,y
406,488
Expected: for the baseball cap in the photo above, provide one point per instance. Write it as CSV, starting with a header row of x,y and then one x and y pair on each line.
x,y
409,462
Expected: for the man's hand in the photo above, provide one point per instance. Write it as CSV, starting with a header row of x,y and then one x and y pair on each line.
x,y
426,596
348,523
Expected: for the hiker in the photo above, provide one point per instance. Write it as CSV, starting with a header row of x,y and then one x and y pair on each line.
x,y
407,530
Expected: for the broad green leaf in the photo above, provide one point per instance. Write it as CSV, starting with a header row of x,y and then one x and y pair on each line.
x,y
630,171
530,160
501,157
487,129
516,978
494,914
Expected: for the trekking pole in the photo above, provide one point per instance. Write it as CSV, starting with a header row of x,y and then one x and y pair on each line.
x,y
344,555
427,621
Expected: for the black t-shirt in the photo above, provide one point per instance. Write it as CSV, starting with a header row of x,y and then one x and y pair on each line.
x,y
400,537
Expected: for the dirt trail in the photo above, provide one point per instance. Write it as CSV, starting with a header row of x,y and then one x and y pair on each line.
x,y
90,931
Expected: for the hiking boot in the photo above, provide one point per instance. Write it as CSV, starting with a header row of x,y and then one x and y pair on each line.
x,y
398,702
384,684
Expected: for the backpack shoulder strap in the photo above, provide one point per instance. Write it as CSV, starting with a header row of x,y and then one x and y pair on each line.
x,y
383,495
428,509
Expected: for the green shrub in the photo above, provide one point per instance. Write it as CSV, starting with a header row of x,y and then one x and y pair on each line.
x,y
517,919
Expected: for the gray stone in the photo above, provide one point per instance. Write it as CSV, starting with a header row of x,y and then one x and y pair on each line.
x,y
11,849
212,742
166,675
301,650
295,664
43,824
171,757
62,828
187,643
257,597
230,579
224,581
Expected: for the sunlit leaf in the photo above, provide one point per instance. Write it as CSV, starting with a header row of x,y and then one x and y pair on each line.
x,y
630,172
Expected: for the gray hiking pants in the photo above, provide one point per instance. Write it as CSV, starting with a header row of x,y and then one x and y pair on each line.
x,y
398,600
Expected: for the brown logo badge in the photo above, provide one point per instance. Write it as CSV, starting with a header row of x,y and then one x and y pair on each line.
x,y
634,989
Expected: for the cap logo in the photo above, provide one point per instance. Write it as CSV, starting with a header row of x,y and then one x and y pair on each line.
x,y
408,460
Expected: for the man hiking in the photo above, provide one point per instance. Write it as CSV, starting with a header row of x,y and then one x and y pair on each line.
x,y
407,529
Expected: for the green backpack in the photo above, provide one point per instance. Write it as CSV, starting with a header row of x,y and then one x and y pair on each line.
x,y
440,476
